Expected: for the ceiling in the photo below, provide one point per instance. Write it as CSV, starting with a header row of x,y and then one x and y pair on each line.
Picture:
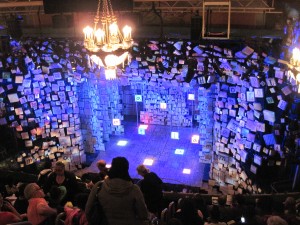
x,y
237,6
265,14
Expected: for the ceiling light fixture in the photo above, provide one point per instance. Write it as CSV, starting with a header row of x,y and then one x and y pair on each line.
x,y
106,40
295,61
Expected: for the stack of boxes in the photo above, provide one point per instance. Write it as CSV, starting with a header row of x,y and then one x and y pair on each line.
x,y
165,107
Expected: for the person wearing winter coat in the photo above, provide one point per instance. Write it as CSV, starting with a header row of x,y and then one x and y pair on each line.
x,y
122,201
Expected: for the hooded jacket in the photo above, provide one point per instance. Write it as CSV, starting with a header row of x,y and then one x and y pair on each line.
x,y
122,201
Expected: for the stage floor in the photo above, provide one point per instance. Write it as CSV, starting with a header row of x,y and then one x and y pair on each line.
x,y
157,145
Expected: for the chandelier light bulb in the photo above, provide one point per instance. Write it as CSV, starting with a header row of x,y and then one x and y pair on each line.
x,y
88,32
298,77
113,29
100,34
127,33
296,56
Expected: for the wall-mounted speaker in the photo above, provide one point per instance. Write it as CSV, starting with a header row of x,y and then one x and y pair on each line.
x,y
196,28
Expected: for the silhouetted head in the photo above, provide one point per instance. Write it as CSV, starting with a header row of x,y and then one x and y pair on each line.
x,y
119,169
59,168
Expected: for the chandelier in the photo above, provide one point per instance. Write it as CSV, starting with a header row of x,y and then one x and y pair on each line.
x,y
295,66
107,39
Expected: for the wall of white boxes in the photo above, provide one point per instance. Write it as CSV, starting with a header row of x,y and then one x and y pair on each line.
x,y
61,106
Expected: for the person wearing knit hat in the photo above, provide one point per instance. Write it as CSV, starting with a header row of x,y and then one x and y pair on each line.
x,y
38,210
151,186
122,201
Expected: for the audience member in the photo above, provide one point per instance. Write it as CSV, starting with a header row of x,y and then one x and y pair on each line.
x,y
122,201
101,165
7,216
214,217
43,175
38,211
93,178
56,196
263,205
10,186
188,213
200,205
151,187
61,177
276,220
226,212
76,215
238,207
21,203
249,217
290,211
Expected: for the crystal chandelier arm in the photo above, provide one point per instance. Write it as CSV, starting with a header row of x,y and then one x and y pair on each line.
x,y
97,60
121,58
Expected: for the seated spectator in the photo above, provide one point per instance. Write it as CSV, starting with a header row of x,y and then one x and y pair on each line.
x,y
214,216
195,205
200,205
239,207
290,211
76,215
10,187
93,178
263,205
43,175
151,187
56,196
61,177
249,217
21,203
7,206
188,213
38,211
101,165
7,216
276,220
226,212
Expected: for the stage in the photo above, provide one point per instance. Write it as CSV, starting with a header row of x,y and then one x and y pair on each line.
x,y
157,145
